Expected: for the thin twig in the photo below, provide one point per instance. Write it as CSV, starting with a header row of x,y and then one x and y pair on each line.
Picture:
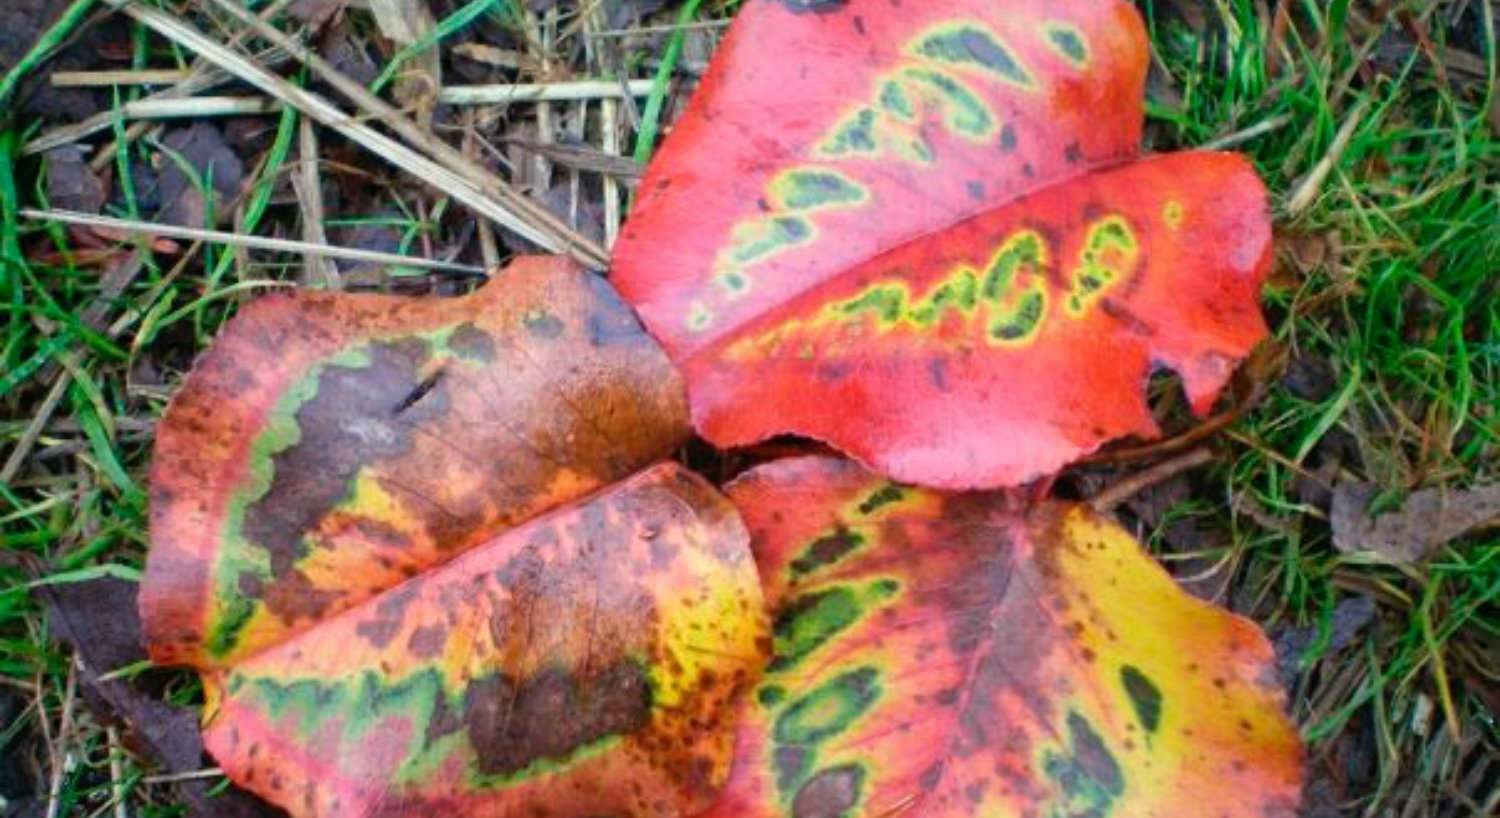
x,y
116,773
196,107
255,242
190,775
104,79
610,143
542,92
1113,495
59,753
630,32
308,184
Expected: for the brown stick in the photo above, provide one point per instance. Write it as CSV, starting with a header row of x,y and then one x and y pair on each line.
x,y
1113,495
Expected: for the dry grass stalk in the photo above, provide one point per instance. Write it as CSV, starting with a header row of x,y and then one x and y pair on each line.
x,y
104,79
317,107
542,92
239,240
201,77
197,107
317,269
1307,190
526,217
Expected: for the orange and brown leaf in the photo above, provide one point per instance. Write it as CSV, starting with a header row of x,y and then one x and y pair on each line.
x,y
959,655
392,535
329,447
585,663
915,232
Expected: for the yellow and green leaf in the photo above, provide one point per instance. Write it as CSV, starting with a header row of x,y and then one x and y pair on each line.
x,y
967,654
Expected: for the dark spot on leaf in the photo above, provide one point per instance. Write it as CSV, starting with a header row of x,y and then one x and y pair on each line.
x,y
937,370
975,189
1089,774
552,714
389,611
771,695
427,642
974,46
813,6
832,372
885,495
1007,138
829,794
1069,43
418,392
826,550
544,325
443,721
1144,695
472,343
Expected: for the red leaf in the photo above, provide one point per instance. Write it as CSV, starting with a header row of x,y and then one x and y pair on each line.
x,y
905,230
961,655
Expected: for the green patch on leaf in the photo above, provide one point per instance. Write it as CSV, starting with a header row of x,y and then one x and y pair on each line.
x,y
975,46
829,709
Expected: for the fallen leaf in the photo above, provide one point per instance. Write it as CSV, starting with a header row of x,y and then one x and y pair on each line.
x,y
1426,521
345,50
916,233
199,148
23,24
1350,617
329,447
586,663
315,13
962,655
1311,377
72,184
98,619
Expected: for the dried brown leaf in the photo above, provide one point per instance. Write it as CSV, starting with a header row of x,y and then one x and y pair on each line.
x,y
1426,521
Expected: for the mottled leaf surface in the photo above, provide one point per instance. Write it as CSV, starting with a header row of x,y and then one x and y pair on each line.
x,y
329,447
957,655
916,231
585,663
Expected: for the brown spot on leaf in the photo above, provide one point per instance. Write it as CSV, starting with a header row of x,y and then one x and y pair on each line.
x,y
830,793
346,426
552,714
